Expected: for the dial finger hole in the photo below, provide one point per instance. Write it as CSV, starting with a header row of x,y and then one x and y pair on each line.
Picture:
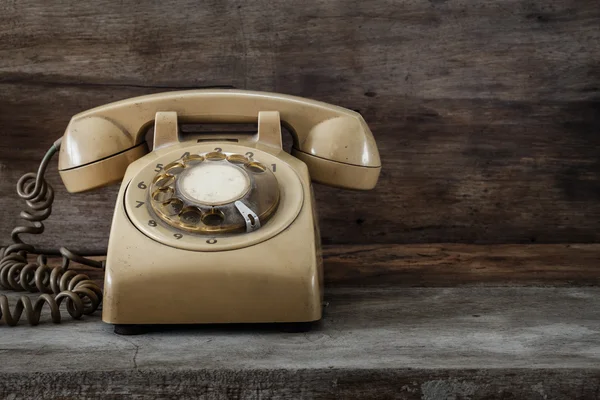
x,y
174,168
256,167
172,207
215,156
162,195
163,180
237,159
213,218
193,159
190,216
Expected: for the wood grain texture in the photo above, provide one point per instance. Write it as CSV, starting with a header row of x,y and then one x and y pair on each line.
x,y
327,383
486,113
407,343
449,265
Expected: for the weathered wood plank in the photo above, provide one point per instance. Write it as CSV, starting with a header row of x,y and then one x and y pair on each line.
x,y
404,342
486,113
508,50
447,177
450,265
326,383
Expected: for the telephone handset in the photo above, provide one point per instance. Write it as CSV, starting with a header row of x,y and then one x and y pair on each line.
x,y
335,143
215,231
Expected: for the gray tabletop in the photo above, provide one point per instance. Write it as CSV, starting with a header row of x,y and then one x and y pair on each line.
x,y
411,341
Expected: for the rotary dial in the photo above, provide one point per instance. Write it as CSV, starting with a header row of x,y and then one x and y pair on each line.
x,y
214,192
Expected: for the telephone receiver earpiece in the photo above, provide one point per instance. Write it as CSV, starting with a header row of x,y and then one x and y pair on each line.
x,y
335,143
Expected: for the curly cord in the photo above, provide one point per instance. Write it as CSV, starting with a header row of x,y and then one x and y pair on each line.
x,y
57,285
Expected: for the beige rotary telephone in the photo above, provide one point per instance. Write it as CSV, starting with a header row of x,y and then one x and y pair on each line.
x,y
220,229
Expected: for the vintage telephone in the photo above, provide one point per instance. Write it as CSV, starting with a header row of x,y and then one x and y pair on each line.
x,y
219,229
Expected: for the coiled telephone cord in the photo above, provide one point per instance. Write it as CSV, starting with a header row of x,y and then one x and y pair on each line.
x,y
57,285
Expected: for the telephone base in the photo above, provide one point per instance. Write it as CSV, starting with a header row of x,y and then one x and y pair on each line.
x,y
257,277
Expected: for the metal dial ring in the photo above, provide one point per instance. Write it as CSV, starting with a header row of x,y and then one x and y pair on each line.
x,y
201,193
143,175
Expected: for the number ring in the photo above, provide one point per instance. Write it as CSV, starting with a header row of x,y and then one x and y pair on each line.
x,y
293,193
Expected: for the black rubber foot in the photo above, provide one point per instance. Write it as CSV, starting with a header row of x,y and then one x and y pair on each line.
x,y
122,329
296,327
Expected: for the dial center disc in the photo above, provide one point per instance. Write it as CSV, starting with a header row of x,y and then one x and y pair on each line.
x,y
213,184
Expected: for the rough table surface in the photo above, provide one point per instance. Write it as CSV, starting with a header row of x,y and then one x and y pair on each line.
x,y
363,329
429,343
442,321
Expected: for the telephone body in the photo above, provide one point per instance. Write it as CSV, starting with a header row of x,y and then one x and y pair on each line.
x,y
222,228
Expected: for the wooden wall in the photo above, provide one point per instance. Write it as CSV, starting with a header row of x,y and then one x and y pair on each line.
x,y
487,113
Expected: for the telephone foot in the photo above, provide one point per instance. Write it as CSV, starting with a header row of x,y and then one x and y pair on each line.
x,y
295,327
123,329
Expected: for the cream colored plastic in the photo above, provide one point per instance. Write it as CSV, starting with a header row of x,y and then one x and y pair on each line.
x,y
336,174
166,129
269,128
101,173
319,129
158,274
265,276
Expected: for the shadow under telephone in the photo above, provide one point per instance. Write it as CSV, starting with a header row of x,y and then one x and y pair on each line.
x,y
216,231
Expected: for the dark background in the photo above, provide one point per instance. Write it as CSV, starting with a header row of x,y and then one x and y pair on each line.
x,y
486,113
